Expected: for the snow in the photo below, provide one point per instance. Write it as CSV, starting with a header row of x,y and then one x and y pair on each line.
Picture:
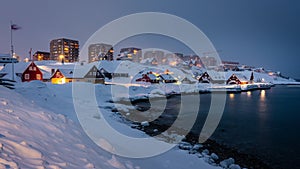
x,y
33,137
39,129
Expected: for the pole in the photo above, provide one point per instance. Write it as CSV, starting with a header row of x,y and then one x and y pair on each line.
x,y
31,59
12,51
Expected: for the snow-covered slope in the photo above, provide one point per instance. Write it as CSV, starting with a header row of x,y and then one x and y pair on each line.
x,y
35,136
32,137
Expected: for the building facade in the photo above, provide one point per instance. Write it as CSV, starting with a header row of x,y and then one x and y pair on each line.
x,y
32,72
40,55
64,50
131,53
100,51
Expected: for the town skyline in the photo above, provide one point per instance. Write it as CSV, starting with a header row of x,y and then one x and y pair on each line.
x,y
254,37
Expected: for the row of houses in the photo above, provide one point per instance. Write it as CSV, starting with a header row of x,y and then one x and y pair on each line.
x,y
227,78
157,78
57,74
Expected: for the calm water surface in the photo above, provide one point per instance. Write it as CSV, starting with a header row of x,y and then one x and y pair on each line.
x,y
264,123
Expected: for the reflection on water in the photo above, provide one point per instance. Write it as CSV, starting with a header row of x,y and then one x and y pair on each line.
x,y
262,95
249,93
231,96
262,106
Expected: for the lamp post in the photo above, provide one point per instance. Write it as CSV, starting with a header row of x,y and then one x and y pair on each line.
x,y
12,28
62,58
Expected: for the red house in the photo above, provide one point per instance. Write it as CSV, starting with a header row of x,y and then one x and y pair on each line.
x,y
149,77
32,72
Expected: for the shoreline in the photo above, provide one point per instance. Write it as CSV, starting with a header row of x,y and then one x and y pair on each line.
x,y
222,151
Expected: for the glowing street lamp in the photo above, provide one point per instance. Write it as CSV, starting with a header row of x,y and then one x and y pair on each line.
x,y
62,58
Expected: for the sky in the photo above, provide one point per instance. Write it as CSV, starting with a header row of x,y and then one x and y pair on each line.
x,y
258,33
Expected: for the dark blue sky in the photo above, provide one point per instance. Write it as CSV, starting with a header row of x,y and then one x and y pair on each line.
x,y
260,33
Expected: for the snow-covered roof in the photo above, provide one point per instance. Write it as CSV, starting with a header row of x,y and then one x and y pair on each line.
x,y
241,75
216,75
167,77
68,73
152,76
18,67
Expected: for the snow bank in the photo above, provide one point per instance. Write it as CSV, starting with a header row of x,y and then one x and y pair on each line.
x,y
34,136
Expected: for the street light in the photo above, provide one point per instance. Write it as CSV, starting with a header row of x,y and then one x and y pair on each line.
x,y
62,58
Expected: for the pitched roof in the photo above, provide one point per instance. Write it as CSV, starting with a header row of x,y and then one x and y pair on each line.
x,y
151,76
167,77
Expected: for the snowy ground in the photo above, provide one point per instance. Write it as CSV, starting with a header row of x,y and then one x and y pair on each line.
x,y
39,129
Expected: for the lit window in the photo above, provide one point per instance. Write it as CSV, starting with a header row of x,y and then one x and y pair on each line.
x,y
26,76
38,76
34,68
30,68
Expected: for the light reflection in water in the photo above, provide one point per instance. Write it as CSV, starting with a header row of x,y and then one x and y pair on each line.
x,y
249,93
231,96
262,101
262,95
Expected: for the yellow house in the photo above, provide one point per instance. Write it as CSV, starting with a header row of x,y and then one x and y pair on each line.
x,y
62,76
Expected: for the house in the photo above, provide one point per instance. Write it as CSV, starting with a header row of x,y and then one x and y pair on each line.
x,y
32,72
205,78
62,76
149,77
237,79
105,73
167,78
94,76
212,77
119,75
187,81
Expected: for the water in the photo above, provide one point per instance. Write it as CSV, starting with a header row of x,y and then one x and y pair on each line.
x,y
263,123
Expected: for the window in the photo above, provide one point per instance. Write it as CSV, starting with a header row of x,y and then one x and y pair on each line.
x,y
26,76
30,68
34,68
38,77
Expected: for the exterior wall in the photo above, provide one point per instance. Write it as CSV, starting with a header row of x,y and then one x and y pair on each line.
x,y
38,56
32,72
100,51
205,78
94,80
233,80
58,80
119,75
134,54
94,73
65,50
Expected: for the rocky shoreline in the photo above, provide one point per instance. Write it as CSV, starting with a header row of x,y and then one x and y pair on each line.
x,y
213,152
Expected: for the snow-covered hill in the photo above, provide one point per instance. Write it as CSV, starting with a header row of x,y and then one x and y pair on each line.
x,y
34,135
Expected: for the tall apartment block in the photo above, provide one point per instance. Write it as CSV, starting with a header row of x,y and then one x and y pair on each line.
x,y
100,51
64,50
